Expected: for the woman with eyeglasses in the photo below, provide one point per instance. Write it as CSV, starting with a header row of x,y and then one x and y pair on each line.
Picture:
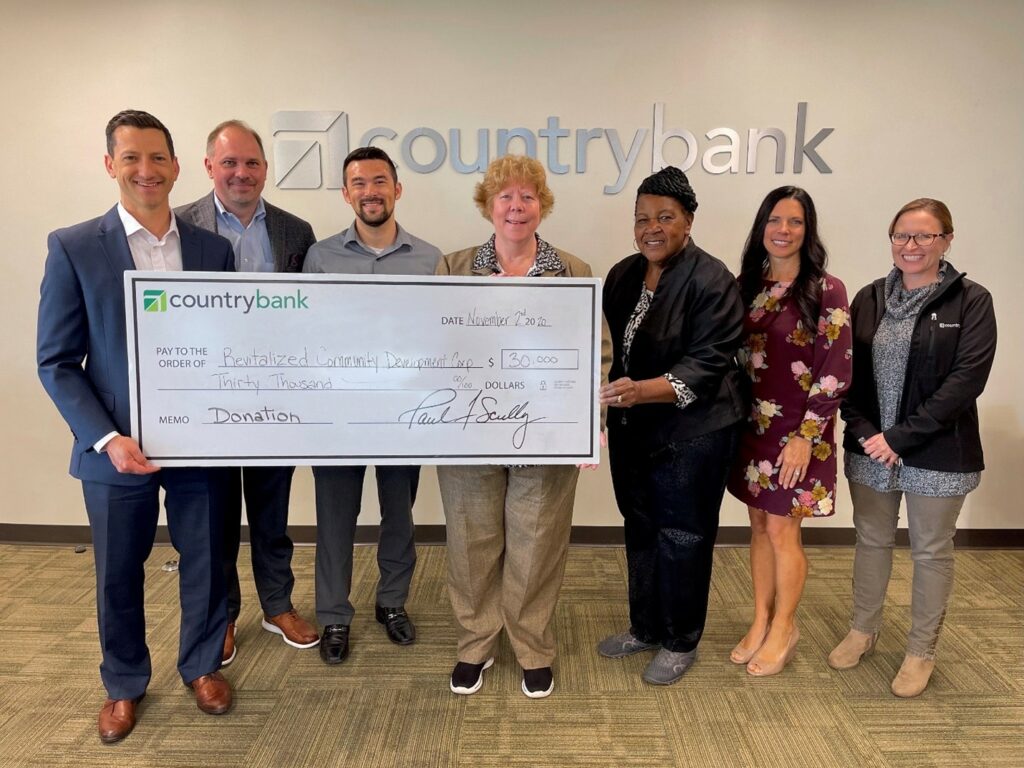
x,y
924,338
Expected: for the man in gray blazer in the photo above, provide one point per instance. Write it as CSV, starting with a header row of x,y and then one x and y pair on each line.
x,y
265,239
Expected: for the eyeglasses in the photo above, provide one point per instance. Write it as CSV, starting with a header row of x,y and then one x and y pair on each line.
x,y
921,238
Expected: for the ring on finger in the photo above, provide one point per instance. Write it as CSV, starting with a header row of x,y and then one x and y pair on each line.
x,y
619,399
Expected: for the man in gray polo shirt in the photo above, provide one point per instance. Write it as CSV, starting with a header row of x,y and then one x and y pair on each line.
x,y
373,245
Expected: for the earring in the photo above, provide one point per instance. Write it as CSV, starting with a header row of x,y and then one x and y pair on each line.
x,y
635,245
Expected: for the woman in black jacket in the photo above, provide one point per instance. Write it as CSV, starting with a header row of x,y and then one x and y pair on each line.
x,y
923,343
676,319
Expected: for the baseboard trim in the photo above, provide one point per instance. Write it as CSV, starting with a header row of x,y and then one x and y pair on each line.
x,y
590,535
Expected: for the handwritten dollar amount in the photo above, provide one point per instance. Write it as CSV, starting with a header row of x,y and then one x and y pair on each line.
x,y
539,359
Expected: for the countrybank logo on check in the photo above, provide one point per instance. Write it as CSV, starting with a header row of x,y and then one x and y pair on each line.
x,y
300,163
158,300
154,300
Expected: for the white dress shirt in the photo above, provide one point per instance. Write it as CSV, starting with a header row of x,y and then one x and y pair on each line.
x,y
149,252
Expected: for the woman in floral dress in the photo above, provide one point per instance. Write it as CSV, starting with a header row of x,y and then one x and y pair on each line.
x,y
796,353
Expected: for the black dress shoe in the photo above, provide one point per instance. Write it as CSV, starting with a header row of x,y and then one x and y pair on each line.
x,y
334,643
398,624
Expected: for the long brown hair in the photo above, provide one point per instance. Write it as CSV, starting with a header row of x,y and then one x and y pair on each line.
x,y
806,288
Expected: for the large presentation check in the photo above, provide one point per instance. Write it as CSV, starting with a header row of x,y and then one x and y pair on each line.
x,y
265,369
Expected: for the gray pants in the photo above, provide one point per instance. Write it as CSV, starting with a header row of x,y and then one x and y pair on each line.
x,y
932,523
339,491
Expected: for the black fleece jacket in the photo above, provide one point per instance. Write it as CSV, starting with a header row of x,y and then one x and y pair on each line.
x,y
951,354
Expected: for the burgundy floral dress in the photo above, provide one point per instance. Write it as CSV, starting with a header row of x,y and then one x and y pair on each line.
x,y
798,382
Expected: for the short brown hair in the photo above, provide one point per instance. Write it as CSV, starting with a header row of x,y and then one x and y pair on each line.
x,y
360,154
135,118
936,208
242,126
508,169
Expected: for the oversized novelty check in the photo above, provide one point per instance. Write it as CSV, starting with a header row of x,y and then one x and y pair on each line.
x,y
264,369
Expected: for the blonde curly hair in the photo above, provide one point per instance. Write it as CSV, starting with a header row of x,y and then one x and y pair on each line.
x,y
507,170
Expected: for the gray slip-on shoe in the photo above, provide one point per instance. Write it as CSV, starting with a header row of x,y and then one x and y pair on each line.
x,y
623,644
668,666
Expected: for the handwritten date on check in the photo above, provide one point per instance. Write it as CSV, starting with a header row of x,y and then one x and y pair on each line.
x,y
271,369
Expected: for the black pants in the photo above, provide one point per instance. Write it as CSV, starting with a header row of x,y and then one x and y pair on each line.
x,y
670,497
267,491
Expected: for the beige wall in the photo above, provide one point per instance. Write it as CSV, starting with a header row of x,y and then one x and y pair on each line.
x,y
925,99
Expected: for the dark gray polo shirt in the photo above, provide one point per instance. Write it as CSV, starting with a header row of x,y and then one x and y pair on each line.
x,y
344,253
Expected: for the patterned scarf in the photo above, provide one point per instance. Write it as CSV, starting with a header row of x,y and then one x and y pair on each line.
x,y
901,303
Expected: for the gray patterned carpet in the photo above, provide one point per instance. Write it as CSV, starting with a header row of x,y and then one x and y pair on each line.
x,y
390,706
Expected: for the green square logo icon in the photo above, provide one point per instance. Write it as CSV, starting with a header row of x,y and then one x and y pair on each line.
x,y
154,300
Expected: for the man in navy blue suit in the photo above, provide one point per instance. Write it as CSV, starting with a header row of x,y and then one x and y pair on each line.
x,y
83,364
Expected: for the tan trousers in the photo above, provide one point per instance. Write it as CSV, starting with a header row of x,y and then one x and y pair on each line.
x,y
508,536
932,524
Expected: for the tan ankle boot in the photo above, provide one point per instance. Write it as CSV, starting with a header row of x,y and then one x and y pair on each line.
x,y
853,647
913,677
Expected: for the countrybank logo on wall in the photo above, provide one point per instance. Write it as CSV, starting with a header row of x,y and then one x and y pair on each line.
x,y
314,151
158,300
309,148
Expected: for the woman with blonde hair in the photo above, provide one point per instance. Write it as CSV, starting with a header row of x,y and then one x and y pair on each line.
x,y
508,526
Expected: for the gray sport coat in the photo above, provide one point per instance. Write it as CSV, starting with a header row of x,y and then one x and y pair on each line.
x,y
290,236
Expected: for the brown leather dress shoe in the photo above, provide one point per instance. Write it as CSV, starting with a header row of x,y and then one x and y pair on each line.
x,y
117,719
213,693
294,629
230,649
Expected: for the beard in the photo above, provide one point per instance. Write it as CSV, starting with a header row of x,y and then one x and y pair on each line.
x,y
377,219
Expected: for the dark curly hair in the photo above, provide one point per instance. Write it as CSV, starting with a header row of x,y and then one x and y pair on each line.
x,y
806,288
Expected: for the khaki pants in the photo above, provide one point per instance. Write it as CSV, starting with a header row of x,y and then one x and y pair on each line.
x,y
508,536
932,523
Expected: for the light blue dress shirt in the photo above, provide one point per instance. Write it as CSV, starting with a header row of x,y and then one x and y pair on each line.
x,y
251,244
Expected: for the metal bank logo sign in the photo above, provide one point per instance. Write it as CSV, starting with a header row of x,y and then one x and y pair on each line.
x,y
158,300
309,147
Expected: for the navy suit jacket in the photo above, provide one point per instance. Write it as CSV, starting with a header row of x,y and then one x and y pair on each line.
x,y
81,345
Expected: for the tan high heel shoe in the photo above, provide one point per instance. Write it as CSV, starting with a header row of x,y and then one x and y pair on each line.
x,y
760,669
741,654
855,646
913,677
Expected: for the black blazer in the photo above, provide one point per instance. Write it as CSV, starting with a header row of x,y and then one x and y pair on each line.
x,y
951,354
692,330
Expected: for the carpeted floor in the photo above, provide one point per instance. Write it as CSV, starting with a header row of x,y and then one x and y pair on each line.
x,y
390,706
